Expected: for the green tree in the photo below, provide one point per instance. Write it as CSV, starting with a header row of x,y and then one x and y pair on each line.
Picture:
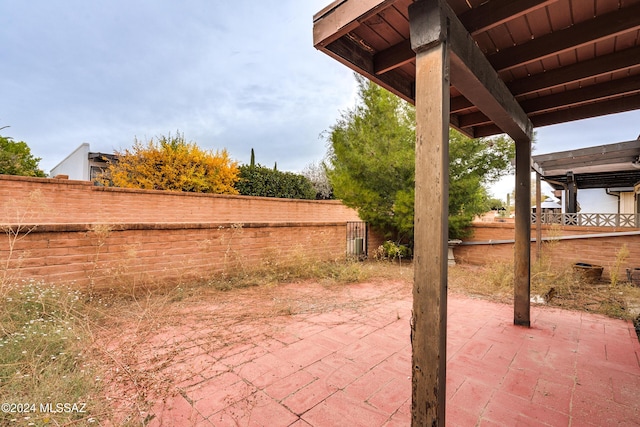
x,y
258,180
370,158
172,163
371,165
16,159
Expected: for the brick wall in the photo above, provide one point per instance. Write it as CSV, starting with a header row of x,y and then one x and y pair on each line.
x,y
92,235
48,200
588,244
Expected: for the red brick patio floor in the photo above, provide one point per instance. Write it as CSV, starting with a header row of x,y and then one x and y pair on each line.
x,y
352,367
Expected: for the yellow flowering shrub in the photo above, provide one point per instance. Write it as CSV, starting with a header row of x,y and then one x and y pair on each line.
x,y
171,163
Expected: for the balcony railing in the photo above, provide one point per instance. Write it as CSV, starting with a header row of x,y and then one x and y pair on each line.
x,y
590,219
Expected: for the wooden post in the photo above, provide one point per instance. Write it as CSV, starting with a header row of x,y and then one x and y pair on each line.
x,y
429,320
538,218
522,256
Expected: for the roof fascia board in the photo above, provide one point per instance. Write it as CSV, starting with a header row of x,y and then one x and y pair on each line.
x,y
343,16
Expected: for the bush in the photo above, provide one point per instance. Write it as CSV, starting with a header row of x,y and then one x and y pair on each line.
x,y
266,182
392,251
172,163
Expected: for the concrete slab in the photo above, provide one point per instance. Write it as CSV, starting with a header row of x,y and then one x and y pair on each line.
x,y
352,366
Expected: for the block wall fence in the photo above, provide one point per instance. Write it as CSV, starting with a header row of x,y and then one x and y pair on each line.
x,y
89,235
493,242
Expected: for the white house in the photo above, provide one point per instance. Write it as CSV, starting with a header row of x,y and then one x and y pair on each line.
x,y
82,164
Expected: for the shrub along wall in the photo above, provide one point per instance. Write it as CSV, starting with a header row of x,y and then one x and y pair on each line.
x,y
97,236
564,247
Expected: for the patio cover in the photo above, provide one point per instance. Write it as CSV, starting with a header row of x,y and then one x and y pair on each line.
x,y
604,166
484,67
561,60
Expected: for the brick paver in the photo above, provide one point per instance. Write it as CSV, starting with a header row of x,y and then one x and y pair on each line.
x,y
352,367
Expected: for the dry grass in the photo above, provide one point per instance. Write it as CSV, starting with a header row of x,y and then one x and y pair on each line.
x,y
110,349
554,286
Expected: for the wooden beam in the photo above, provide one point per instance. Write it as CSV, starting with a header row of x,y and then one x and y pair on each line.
x,y
477,81
522,246
393,57
496,12
596,67
599,28
361,61
614,89
603,108
460,103
584,95
429,319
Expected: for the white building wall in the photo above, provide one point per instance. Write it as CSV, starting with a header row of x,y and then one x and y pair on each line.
x,y
594,201
627,203
76,164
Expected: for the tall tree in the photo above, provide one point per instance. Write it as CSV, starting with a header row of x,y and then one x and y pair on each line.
x,y
371,165
172,163
370,158
16,159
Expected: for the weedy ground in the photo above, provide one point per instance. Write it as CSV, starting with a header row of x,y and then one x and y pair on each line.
x,y
61,345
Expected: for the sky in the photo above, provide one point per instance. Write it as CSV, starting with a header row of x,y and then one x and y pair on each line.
x,y
228,74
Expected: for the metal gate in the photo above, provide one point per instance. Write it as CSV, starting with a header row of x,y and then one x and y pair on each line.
x,y
357,239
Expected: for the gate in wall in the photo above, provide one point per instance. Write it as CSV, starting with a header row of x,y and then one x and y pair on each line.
x,y
357,239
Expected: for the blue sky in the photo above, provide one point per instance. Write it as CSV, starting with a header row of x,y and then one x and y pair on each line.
x,y
228,74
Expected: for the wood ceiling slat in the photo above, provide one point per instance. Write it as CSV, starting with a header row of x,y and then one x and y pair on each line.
x,y
581,65
625,41
582,10
397,20
485,43
487,15
606,6
537,23
603,91
559,15
585,53
384,30
499,38
371,38
576,72
604,47
518,29
552,62
618,105
601,27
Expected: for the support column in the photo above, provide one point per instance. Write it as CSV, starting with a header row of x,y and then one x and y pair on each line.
x,y
429,320
522,256
572,194
538,218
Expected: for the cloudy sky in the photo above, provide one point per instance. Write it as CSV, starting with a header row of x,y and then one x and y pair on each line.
x,y
231,74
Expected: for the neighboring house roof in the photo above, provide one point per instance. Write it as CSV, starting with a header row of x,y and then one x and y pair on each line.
x,y
604,166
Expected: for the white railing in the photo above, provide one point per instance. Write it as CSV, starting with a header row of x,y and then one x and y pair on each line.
x,y
590,219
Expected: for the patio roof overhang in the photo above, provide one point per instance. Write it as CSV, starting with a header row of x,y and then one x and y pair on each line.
x,y
604,166
561,60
